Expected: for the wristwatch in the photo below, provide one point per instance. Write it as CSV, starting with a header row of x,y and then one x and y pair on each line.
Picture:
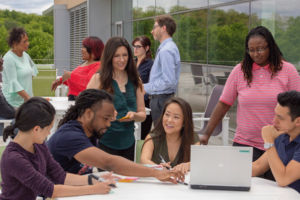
x,y
268,145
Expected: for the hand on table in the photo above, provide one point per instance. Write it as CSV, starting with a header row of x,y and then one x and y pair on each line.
x,y
170,175
182,167
110,176
102,187
55,84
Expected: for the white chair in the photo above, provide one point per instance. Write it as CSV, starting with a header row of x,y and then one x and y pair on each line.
x,y
223,127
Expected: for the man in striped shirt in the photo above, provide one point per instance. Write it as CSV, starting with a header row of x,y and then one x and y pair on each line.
x,y
282,143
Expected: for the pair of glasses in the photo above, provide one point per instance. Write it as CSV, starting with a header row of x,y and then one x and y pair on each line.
x,y
136,47
154,27
259,51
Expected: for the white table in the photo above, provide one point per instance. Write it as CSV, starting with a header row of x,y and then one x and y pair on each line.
x,y
61,105
261,189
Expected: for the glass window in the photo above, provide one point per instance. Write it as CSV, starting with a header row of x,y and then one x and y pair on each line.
x,y
214,2
190,4
192,36
282,18
166,6
135,8
146,8
228,28
144,27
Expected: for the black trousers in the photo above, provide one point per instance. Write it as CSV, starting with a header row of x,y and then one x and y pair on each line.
x,y
157,105
126,153
257,153
146,125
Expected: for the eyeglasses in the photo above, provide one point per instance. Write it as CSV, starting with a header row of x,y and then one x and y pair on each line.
x,y
136,47
259,51
154,27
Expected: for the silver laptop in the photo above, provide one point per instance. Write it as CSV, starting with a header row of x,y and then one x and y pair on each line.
x,y
221,167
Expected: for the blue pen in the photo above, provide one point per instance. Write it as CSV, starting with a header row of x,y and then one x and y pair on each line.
x,y
102,180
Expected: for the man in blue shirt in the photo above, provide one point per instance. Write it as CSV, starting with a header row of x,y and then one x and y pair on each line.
x,y
73,145
164,75
282,143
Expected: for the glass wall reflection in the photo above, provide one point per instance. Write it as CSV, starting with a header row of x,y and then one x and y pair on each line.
x,y
191,4
145,8
282,18
192,36
228,28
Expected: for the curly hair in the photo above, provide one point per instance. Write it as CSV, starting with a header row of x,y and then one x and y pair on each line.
x,y
15,36
275,56
90,98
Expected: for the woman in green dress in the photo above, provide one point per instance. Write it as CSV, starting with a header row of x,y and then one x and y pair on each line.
x,y
119,76
172,137
18,69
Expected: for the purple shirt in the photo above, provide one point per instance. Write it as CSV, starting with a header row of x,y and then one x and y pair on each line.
x,y
23,173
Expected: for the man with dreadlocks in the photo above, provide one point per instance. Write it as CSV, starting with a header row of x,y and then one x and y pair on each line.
x,y
256,82
73,145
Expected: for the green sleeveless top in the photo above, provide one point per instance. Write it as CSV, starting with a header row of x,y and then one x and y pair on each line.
x,y
120,135
162,149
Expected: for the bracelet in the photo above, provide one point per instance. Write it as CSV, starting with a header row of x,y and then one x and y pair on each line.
x,y
90,180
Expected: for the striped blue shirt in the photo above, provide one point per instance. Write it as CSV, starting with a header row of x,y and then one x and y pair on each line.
x,y
288,151
164,75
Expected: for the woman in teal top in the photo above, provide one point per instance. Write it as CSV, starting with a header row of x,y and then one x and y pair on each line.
x,y
18,69
118,75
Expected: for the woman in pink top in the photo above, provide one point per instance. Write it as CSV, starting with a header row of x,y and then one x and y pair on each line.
x,y
256,82
78,79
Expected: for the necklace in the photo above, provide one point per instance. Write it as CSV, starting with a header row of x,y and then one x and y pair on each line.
x,y
125,82
18,56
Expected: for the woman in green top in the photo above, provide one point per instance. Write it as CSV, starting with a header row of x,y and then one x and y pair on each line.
x,y
118,75
172,137
18,69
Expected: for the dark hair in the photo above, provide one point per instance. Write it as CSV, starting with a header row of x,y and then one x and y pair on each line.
x,y
15,36
90,98
290,99
275,56
94,45
145,41
107,69
187,132
36,111
168,21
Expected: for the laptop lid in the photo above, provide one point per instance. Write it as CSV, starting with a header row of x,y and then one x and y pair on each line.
x,y
221,166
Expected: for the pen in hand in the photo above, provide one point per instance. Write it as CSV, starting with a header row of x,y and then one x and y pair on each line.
x,y
102,180
163,161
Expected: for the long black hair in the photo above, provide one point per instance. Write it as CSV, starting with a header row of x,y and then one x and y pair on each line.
x,y
275,56
36,111
187,132
89,98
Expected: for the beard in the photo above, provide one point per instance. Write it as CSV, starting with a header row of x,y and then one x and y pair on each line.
x,y
98,134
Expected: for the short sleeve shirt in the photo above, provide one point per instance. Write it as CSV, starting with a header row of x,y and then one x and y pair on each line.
x,y
256,104
66,142
288,151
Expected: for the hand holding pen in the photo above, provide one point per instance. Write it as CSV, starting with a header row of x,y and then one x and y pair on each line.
x,y
169,167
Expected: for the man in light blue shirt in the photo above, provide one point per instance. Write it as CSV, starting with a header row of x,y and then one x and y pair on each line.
x,y
164,75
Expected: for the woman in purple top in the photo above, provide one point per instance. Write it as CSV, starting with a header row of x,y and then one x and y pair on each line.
x,y
26,161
